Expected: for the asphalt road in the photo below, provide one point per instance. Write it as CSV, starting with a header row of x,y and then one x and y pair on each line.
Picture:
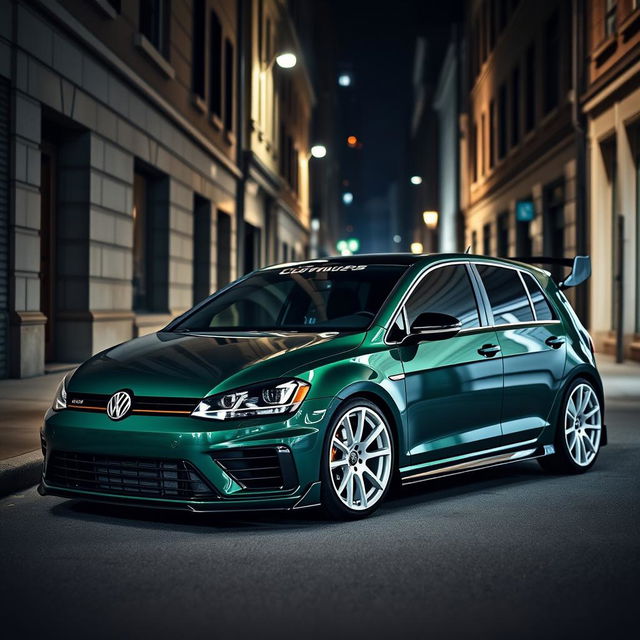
x,y
505,553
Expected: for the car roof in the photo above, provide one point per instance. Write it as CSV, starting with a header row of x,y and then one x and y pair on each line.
x,y
404,259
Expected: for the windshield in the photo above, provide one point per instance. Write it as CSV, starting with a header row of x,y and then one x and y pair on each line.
x,y
328,297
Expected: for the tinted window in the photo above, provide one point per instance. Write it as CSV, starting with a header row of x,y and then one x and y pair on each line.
x,y
445,290
313,297
509,300
540,304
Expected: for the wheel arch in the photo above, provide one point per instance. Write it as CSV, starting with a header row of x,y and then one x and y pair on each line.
x,y
386,404
590,375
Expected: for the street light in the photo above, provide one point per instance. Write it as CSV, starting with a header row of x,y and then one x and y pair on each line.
x,y
318,151
430,219
286,60
347,197
416,180
344,80
416,247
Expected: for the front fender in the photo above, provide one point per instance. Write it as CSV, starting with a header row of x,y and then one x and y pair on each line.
x,y
367,376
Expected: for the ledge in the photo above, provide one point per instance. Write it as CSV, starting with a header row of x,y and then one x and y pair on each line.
x,y
106,8
604,50
215,121
199,103
630,25
141,42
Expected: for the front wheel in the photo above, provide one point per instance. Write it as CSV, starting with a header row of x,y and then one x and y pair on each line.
x,y
357,462
578,432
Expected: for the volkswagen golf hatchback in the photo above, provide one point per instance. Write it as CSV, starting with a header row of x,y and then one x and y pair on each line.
x,y
322,382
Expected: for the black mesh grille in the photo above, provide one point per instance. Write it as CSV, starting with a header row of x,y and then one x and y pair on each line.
x,y
259,468
126,476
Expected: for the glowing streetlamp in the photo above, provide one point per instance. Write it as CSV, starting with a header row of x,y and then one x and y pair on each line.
x,y
416,180
318,151
416,247
430,219
286,60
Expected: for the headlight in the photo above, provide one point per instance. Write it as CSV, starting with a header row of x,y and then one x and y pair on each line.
x,y
267,399
60,399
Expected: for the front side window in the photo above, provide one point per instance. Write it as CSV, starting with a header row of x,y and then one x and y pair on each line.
x,y
445,290
507,296
320,297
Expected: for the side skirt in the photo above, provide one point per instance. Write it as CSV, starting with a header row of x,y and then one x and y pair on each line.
x,y
416,475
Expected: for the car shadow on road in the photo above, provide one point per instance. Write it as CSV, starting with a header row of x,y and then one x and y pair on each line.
x,y
402,498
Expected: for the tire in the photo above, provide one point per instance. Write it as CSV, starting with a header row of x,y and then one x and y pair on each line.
x,y
578,431
354,486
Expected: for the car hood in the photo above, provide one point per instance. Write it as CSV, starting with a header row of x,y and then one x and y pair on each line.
x,y
194,365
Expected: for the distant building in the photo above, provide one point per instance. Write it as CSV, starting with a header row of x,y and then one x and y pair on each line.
x,y
520,136
611,102
135,176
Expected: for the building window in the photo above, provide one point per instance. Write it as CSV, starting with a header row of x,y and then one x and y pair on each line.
x,y
503,234
486,239
492,134
201,248
502,121
215,66
491,19
198,48
610,18
474,242
474,151
553,225
551,63
503,12
483,138
150,241
223,244
154,23
515,106
228,84
530,89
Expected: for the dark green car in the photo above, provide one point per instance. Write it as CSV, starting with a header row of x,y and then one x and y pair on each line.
x,y
320,382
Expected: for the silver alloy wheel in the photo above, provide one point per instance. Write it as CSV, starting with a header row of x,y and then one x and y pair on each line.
x,y
360,458
583,425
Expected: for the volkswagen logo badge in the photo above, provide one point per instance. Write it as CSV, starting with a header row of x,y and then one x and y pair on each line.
x,y
119,405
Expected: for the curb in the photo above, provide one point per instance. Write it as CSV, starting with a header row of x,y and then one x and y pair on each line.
x,y
20,472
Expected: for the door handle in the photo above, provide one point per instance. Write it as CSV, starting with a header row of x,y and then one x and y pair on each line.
x,y
554,341
488,350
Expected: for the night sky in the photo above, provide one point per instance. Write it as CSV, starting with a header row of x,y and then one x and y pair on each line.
x,y
377,41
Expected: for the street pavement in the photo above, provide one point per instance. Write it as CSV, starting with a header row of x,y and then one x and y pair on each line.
x,y
505,553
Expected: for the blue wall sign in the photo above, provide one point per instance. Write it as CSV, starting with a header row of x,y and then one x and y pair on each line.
x,y
525,211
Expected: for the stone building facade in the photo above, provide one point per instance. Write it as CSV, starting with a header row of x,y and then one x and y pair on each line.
x,y
123,177
520,138
611,102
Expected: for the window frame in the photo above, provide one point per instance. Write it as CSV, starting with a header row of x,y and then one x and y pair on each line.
x,y
481,296
487,302
402,311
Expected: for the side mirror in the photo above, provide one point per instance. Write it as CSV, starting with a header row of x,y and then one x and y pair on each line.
x,y
433,326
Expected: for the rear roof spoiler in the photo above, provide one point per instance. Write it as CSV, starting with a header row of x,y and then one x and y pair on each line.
x,y
580,268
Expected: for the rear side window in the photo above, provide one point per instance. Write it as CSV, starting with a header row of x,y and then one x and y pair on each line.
x,y
540,304
508,298
445,290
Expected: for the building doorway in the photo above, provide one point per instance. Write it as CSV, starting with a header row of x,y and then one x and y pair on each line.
x,y
553,225
48,192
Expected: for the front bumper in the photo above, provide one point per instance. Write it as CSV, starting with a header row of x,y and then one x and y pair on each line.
x,y
197,443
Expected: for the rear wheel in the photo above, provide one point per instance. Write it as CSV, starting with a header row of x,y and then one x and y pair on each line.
x,y
578,432
357,464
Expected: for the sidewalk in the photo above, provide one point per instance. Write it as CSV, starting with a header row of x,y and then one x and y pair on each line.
x,y
24,402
